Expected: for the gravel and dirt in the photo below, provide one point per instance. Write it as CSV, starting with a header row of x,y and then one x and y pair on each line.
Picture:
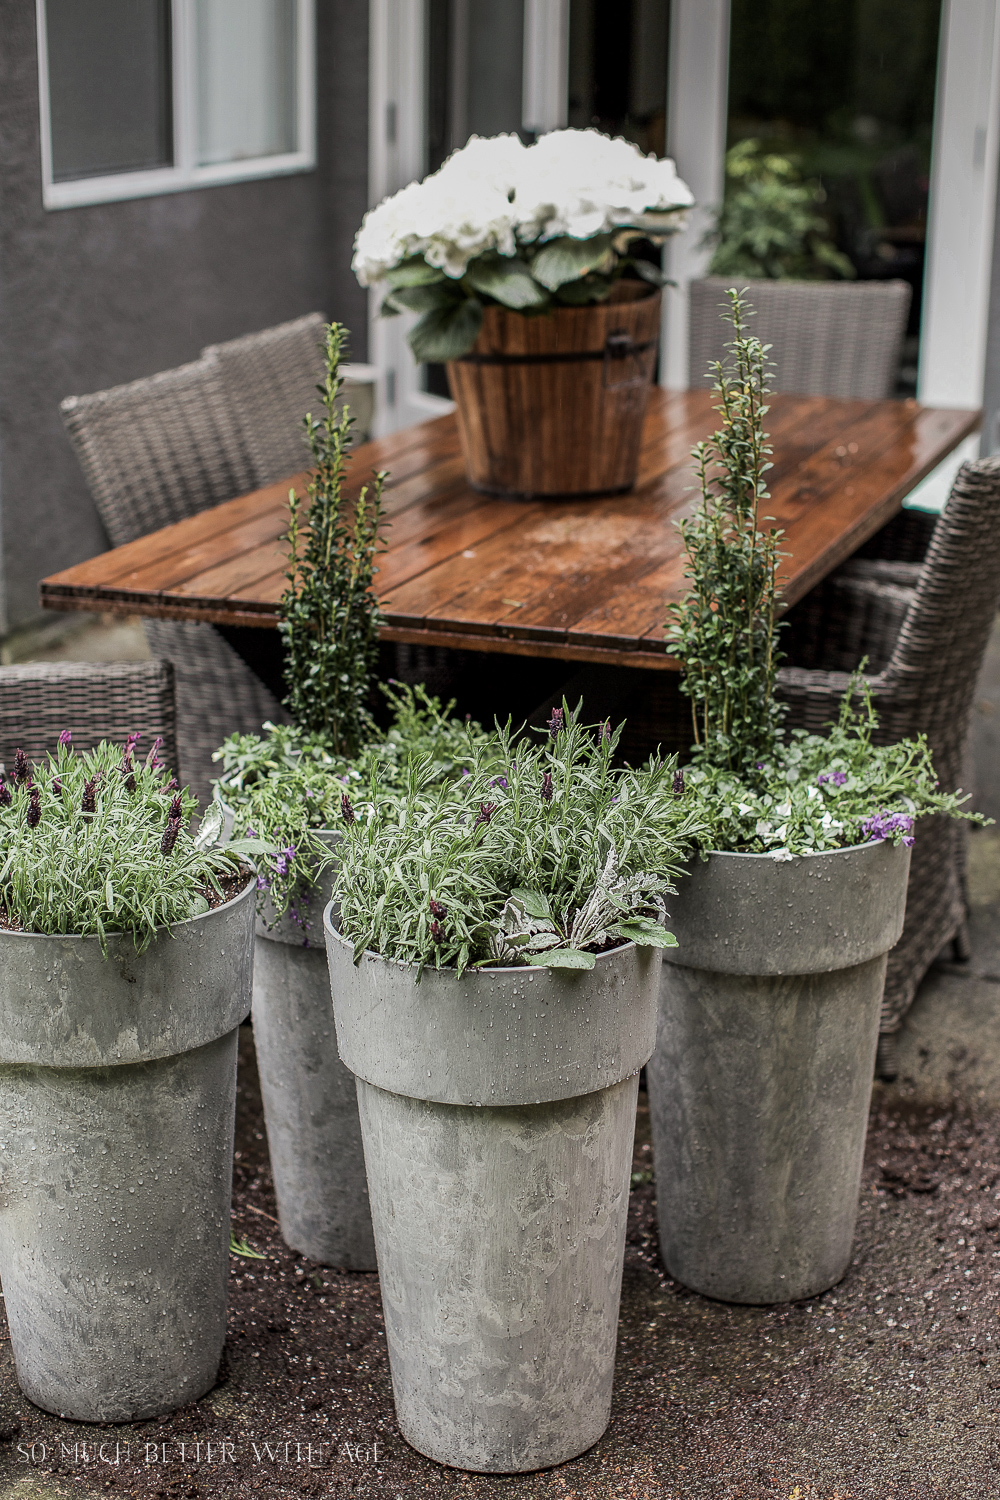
x,y
886,1387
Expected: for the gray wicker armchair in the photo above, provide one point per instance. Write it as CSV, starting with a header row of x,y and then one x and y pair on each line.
x,y
153,452
830,338
105,701
919,600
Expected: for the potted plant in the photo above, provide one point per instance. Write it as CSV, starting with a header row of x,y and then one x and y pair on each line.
x,y
833,334
285,786
761,1079
125,964
494,971
519,261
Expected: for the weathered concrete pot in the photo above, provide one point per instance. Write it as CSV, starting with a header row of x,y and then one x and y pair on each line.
x,y
117,1106
761,1080
310,1102
498,1114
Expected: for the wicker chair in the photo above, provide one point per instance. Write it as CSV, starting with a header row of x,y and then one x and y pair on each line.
x,y
96,702
153,452
271,379
919,600
830,338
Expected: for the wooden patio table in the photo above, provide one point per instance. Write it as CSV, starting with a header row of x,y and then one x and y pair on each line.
x,y
581,580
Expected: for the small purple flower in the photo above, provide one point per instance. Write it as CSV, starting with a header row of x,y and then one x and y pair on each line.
x,y
130,781
176,810
556,723
5,798
882,825
438,909
56,787
605,729
837,777
88,802
283,859
678,784
759,765
466,771
169,838
66,739
486,811
346,810
547,787
173,785
130,744
437,932
22,766
262,884
34,806
500,781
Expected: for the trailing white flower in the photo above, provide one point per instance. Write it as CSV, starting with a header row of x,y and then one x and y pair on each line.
x,y
528,227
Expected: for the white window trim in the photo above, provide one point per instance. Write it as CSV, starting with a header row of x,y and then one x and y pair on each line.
x,y
184,174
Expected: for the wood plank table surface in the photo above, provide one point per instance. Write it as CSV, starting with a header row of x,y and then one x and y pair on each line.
x,y
584,580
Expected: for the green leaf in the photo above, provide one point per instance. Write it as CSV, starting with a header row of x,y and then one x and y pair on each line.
x,y
423,299
415,272
564,958
242,1247
446,332
507,280
534,903
649,272
567,259
389,308
210,826
653,936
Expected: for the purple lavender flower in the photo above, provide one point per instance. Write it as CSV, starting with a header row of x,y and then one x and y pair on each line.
x,y
173,785
346,810
22,766
486,811
556,723
678,784
759,765
169,838
283,859
34,806
262,884
500,781
56,786
837,777
66,739
176,810
437,932
88,802
547,787
882,825
605,731
466,771
5,798
438,909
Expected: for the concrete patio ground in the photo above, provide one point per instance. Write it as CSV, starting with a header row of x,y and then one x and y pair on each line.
x,y
886,1387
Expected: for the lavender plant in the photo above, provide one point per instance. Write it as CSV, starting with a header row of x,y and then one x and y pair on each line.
x,y
99,843
329,617
286,787
544,854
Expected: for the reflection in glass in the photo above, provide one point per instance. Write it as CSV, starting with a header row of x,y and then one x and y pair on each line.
x,y
246,79
618,69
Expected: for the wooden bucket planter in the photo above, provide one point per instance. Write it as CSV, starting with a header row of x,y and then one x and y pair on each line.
x,y
553,405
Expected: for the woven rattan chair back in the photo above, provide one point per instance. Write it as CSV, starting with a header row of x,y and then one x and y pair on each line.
x,y
105,701
829,338
270,380
927,686
158,450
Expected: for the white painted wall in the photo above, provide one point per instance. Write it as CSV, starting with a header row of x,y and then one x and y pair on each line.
x,y
962,205
697,110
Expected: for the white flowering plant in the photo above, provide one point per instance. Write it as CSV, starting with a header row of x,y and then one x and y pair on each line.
x,y
529,228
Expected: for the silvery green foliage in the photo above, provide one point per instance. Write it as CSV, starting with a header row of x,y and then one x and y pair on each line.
x,y
543,853
284,785
100,843
818,792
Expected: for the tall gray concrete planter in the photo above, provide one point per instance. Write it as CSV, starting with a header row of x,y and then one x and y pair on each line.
x,y
310,1102
760,1083
117,1107
498,1113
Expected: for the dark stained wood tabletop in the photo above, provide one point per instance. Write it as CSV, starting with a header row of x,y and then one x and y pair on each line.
x,y
579,579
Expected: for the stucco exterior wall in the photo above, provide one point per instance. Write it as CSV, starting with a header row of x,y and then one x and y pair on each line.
x,y
91,297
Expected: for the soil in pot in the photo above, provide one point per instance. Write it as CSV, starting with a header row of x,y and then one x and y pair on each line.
x,y
498,1116
553,405
761,1080
117,1100
310,1102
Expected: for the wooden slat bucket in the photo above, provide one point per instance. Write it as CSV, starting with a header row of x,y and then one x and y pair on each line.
x,y
554,404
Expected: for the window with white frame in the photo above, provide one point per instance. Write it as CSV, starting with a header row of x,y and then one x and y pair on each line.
x,y
139,97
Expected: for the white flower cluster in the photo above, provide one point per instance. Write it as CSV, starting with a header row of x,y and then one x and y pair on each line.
x,y
496,194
